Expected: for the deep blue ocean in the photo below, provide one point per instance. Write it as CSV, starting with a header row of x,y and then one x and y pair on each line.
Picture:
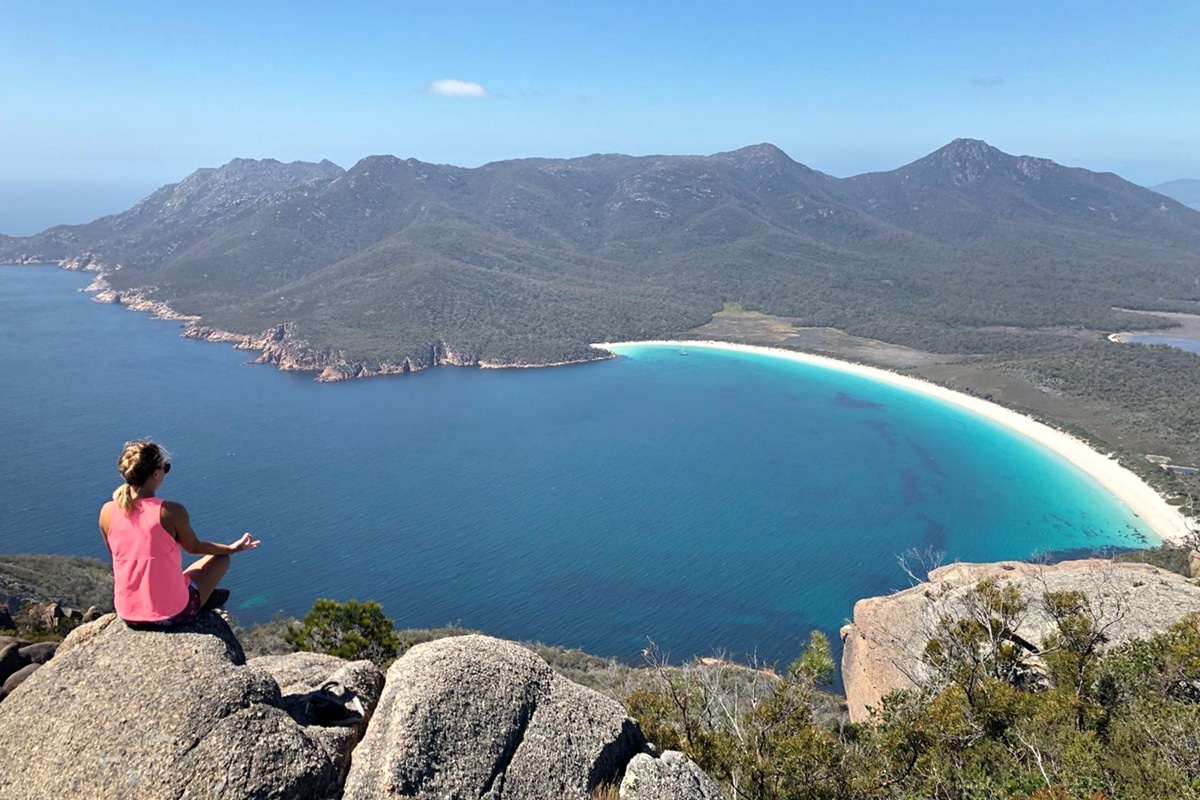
x,y
709,500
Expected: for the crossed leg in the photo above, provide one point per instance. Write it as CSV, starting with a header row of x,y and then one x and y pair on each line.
x,y
207,573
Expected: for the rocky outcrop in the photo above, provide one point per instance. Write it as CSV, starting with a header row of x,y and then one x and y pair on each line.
x,y
883,647
46,617
147,714
475,717
84,262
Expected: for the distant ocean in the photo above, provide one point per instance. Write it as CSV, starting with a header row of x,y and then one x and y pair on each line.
x,y
713,501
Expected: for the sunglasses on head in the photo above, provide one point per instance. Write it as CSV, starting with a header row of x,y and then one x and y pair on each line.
x,y
166,467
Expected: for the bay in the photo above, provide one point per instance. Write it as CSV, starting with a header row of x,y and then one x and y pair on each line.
x,y
713,501
1181,342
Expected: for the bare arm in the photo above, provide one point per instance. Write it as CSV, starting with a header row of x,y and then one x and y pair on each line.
x,y
105,513
174,518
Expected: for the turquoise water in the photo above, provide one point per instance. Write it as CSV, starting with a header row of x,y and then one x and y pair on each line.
x,y
712,501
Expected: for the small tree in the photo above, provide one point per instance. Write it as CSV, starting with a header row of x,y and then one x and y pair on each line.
x,y
761,742
351,630
980,641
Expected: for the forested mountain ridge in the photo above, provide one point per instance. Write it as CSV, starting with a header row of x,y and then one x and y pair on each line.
x,y
528,261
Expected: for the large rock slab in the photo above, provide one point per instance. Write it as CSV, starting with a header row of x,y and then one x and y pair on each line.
x,y
476,717
884,645
119,713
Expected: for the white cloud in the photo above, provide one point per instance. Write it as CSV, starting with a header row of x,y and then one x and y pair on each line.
x,y
448,87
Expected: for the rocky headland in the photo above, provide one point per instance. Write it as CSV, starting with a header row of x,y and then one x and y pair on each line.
x,y
281,346
884,647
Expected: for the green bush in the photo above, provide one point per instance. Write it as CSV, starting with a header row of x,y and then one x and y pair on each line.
x,y
1100,724
351,630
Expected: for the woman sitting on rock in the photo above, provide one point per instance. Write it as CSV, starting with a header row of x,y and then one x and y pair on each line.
x,y
144,533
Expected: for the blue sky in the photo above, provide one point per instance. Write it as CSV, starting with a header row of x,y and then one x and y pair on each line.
x,y
103,101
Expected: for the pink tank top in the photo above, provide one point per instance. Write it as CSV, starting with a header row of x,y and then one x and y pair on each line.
x,y
148,580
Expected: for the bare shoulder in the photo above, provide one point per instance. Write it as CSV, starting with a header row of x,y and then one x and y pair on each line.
x,y
106,513
174,517
174,509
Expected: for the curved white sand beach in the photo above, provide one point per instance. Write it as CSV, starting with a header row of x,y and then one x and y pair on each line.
x,y
1162,518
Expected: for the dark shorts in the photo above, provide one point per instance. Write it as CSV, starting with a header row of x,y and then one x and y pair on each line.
x,y
187,615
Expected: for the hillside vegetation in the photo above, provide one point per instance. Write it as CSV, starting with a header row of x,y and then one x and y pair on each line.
x,y
1013,264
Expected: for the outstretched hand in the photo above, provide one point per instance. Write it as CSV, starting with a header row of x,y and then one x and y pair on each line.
x,y
247,542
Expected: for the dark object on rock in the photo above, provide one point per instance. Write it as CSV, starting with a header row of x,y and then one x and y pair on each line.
x,y
6,620
334,704
217,599
92,614
300,674
39,653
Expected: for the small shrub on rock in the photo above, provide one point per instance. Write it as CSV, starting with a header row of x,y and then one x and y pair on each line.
x,y
350,630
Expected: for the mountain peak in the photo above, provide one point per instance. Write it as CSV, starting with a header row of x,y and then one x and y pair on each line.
x,y
963,161
969,149
764,153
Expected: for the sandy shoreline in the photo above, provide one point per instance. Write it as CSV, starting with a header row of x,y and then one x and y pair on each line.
x,y
1187,326
1162,518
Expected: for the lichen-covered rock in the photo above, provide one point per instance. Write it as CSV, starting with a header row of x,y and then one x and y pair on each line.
x,y
883,647
476,717
119,713
673,776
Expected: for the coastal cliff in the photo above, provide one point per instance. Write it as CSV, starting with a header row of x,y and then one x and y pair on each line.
x,y
884,648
